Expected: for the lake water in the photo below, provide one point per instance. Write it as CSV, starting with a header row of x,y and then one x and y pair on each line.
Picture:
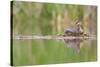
x,y
51,51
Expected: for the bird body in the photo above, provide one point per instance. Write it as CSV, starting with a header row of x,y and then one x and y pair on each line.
x,y
75,31
72,32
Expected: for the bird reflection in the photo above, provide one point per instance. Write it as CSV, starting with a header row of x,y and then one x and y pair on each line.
x,y
73,43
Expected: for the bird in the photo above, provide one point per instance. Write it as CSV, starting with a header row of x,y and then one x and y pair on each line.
x,y
77,31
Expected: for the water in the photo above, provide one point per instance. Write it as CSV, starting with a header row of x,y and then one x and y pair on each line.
x,y
51,51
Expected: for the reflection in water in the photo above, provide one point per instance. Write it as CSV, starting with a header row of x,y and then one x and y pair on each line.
x,y
73,43
42,51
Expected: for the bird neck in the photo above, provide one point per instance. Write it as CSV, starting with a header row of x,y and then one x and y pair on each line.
x,y
78,28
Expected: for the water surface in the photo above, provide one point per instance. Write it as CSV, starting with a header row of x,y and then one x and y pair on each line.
x,y
42,51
